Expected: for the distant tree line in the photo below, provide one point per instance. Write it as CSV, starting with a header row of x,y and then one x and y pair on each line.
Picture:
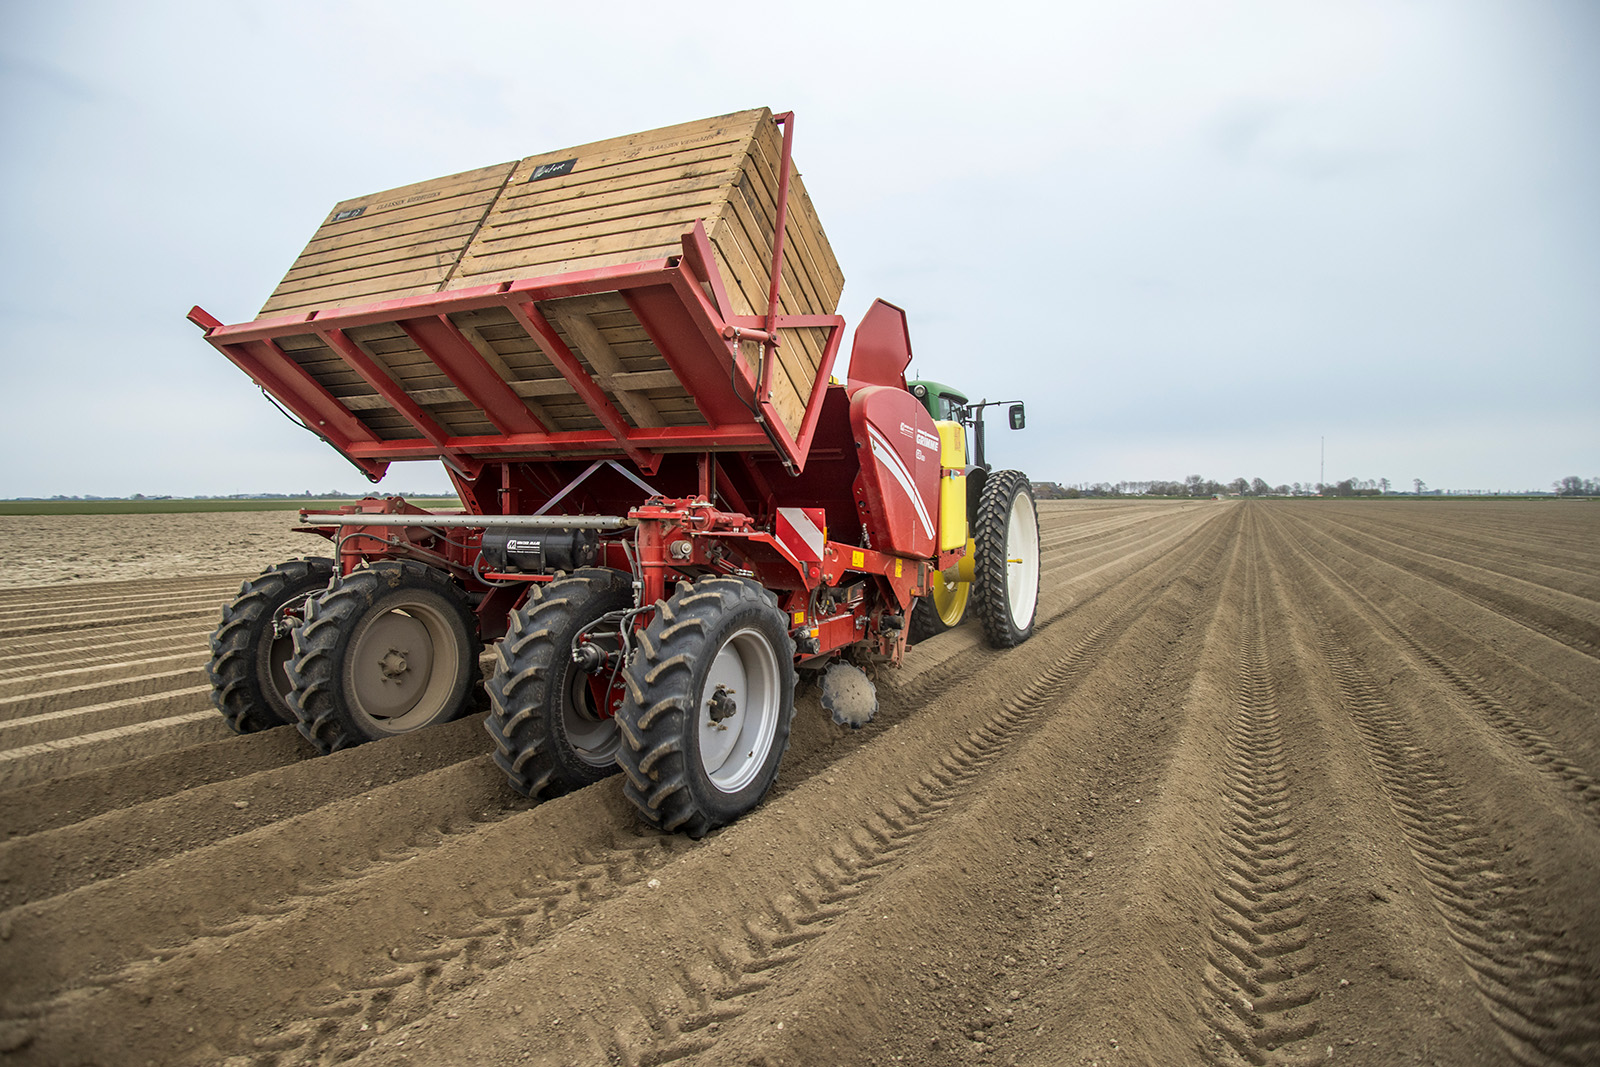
x,y
1572,485
1197,485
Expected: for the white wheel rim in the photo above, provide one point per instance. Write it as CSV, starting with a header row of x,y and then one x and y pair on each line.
x,y
1022,560
733,751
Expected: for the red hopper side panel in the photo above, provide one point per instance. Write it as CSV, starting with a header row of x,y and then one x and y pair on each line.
x,y
899,479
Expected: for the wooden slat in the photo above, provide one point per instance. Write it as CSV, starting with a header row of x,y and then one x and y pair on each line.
x,y
456,204
514,243
626,200
581,334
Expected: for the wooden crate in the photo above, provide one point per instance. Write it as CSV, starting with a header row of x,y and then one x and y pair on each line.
x,y
624,200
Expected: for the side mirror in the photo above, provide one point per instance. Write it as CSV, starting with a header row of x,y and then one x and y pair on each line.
x,y
1018,418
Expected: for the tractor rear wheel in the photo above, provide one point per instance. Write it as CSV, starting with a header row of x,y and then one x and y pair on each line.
x,y
1006,565
710,702
390,648
250,649
550,730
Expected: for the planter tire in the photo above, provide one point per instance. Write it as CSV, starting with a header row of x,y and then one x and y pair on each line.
x,y
943,609
550,737
710,702
390,648
249,654
1005,583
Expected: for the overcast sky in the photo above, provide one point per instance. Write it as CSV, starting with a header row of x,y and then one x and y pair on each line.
x,y
1197,237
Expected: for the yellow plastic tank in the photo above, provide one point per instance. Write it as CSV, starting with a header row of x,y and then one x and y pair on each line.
x,y
952,486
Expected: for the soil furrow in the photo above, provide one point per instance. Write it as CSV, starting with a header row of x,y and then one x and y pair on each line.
x,y
1537,992
1567,621
421,977
1574,782
1266,786
1564,571
111,668
85,698
113,745
1551,685
722,997
69,650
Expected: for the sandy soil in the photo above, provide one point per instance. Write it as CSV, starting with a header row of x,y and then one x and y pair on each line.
x,y
46,549
1274,782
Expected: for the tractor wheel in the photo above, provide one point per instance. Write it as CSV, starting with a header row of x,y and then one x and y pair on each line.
x,y
709,705
1006,566
250,649
551,735
391,648
943,609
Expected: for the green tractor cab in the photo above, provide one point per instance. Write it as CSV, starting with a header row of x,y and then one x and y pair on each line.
x,y
948,404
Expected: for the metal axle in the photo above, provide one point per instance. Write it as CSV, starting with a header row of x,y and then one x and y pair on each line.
x,y
552,522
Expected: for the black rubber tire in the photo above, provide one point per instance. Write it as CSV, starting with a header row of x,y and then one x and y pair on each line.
x,y
660,719
1006,611
249,684
531,689
926,621
326,694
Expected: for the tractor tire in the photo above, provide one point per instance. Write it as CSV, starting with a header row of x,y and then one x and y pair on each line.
x,y
943,609
1005,582
391,648
549,735
709,707
249,683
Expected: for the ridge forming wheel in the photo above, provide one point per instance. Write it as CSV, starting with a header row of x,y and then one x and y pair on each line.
x,y
391,648
552,733
1006,564
250,648
709,707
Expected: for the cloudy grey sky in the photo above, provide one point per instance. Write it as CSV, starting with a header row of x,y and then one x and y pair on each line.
x,y
1197,237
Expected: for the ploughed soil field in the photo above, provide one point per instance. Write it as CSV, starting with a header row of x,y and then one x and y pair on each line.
x,y
1274,782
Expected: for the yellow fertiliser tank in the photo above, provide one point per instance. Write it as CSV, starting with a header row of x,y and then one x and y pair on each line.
x,y
952,486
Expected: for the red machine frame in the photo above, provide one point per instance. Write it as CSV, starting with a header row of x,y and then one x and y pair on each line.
x,y
674,502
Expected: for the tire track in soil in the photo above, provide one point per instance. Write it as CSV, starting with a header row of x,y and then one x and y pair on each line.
x,y
717,987
901,692
835,878
1541,998
1260,962
1573,782
336,1016
1034,722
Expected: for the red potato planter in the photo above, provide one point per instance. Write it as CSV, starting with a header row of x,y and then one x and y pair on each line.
x,y
623,355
